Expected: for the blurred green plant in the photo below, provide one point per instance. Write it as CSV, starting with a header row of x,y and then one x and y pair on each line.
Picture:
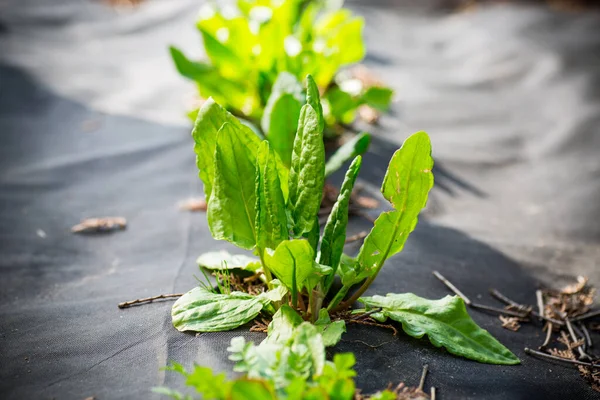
x,y
289,364
258,50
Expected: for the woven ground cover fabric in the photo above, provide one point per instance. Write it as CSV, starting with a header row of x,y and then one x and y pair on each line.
x,y
92,124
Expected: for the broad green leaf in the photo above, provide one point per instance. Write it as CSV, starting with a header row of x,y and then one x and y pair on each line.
x,y
306,177
339,28
190,69
406,185
319,272
313,235
209,81
342,105
210,119
446,323
356,146
221,55
378,97
248,389
331,331
231,208
277,292
292,262
282,326
224,260
200,310
271,218
334,234
286,84
280,123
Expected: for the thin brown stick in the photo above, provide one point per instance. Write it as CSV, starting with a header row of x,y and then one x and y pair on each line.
x,y
373,346
549,327
585,316
423,376
586,334
364,315
452,287
388,326
356,238
540,301
147,300
567,360
432,393
498,310
510,302
575,339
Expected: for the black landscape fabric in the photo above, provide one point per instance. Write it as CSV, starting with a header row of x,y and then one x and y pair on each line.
x,y
92,124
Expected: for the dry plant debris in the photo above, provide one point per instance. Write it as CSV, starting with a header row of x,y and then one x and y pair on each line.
x,y
403,392
510,323
194,204
100,225
566,311
123,3
367,113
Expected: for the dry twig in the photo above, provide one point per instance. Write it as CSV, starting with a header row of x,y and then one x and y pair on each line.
x,y
147,300
100,225
196,204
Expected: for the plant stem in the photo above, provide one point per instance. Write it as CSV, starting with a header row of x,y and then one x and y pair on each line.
x,y
318,295
265,269
338,297
363,288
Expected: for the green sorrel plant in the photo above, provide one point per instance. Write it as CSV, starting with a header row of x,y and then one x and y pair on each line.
x,y
259,204
258,51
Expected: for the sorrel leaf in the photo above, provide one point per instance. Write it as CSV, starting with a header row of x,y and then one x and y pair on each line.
x,y
281,328
406,185
378,97
446,323
292,262
200,310
231,209
271,218
209,121
217,260
334,234
282,126
356,146
280,118
331,331
306,177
